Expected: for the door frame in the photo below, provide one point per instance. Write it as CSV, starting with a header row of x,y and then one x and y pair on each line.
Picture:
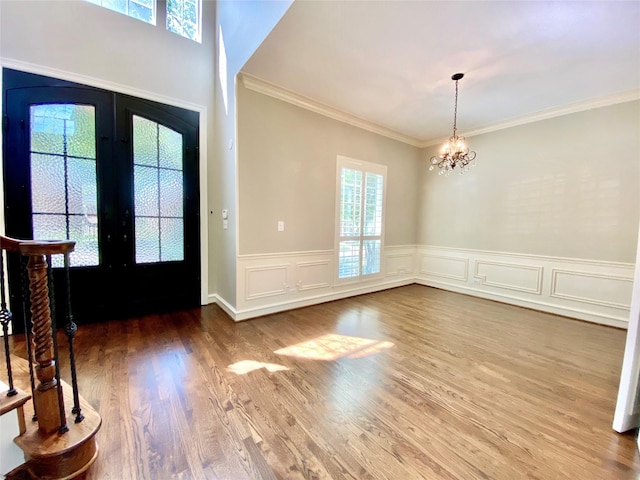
x,y
627,413
145,95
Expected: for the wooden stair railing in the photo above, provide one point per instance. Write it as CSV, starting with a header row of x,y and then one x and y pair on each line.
x,y
53,448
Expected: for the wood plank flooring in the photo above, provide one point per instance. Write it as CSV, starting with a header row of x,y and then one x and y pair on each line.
x,y
469,389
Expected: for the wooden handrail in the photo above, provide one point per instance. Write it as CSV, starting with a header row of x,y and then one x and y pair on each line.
x,y
9,244
36,247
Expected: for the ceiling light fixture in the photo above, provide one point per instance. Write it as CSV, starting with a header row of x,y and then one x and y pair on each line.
x,y
455,152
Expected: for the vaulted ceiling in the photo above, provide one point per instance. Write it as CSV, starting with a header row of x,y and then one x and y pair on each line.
x,y
390,62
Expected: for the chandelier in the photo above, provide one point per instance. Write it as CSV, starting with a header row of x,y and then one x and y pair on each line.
x,y
455,152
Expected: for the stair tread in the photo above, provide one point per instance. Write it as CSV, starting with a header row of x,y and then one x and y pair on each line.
x,y
8,404
37,444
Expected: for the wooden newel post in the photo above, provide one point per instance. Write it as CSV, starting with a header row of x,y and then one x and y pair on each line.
x,y
47,400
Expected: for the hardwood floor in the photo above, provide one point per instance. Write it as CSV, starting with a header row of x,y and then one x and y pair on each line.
x,y
436,385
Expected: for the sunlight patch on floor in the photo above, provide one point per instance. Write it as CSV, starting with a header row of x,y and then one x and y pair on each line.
x,y
333,346
246,366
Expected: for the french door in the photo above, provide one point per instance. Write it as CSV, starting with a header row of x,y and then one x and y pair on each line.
x,y
116,174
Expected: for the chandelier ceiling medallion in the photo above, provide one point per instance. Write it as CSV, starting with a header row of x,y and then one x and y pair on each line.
x,y
455,152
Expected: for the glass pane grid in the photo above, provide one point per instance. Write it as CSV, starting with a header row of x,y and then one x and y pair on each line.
x,y
373,205
183,18
370,257
360,223
63,178
350,202
144,10
158,192
349,259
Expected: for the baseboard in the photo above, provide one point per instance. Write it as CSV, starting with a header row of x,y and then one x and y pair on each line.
x,y
223,304
534,305
262,310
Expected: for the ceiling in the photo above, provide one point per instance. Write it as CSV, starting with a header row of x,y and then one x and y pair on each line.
x,y
390,62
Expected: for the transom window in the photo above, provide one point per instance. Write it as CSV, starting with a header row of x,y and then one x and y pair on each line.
x,y
144,10
361,187
183,17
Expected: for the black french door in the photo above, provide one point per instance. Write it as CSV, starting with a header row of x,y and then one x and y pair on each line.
x,y
116,174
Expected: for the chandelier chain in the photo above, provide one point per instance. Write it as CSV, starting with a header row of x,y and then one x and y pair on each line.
x,y
455,152
455,112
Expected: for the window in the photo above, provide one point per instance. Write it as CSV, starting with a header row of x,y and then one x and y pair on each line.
x,y
360,200
183,18
144,10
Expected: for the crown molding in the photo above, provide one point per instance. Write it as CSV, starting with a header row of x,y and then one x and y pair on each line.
x,y
258,85
599,102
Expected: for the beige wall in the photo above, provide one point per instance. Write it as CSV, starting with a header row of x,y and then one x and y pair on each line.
x,y
567,187
287,171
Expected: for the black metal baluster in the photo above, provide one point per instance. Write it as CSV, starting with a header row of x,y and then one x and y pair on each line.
x,y
54,328
26,314
5,318
71,328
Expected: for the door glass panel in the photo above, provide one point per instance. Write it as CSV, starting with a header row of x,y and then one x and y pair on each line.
x,y
145,187
50,226
170,148
171,239
47,184
158,194
63,178
145,141
170,193
147,244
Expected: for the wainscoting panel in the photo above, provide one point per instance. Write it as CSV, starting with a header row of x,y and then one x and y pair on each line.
x,y
510,276
266,281
312,275
444,266
400,261
276,282
589,290
593,288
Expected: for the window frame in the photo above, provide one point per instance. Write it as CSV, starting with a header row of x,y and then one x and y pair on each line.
x,y
364,167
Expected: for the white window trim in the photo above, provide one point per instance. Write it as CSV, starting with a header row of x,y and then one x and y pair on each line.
x,y
365,167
